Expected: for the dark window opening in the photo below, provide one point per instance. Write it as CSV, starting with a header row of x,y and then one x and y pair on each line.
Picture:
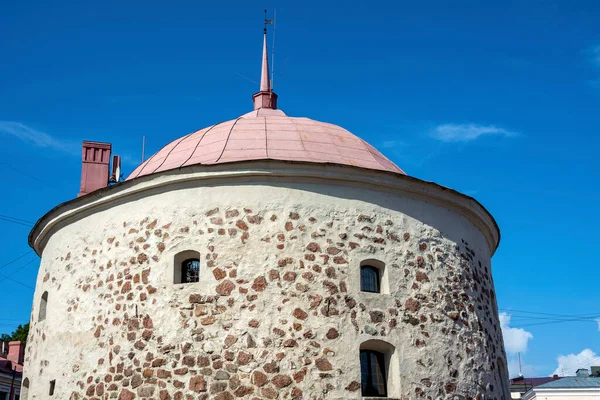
x,y
43,306
52,384
190,270
25,389
372,373
369,279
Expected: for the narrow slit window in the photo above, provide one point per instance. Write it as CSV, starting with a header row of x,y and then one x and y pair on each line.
x,y
52,385
373,374
369,279
43,306
190,270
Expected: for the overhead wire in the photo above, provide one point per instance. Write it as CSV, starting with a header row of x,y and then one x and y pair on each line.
x,y
16,221
541,313
5,277
16,259
551,318
584,363
29,175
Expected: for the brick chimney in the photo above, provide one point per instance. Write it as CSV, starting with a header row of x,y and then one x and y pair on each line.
x,y
94,167
16,351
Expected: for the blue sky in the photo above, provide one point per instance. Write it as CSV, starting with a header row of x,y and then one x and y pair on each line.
x,y
498,100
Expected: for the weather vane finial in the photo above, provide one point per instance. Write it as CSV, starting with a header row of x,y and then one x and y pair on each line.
x,y
267,21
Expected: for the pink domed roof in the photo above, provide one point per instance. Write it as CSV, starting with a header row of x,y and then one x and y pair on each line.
x,y
267,134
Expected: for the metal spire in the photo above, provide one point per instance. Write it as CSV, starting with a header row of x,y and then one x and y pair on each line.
x,y
265,80
265,98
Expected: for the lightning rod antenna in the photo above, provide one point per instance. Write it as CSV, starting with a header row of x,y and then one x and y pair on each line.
x,y
143,148
273,51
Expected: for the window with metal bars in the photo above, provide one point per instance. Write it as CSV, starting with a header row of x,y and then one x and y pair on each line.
x,y
373,374
190,270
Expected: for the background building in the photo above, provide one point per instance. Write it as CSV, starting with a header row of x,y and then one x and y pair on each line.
x,y
267,256
11,370
520,385
567,388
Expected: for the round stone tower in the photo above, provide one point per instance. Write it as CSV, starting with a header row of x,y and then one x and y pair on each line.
x,y
267,257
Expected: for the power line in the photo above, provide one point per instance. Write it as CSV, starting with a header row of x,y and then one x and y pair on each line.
x,y
552,319
15,260
557,322
16,281
582,318
542,313
5,277
28,175
15,221
586,362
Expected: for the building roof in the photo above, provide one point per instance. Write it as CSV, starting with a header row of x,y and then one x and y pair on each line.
x,y
530,382
572,382
267,134
7,366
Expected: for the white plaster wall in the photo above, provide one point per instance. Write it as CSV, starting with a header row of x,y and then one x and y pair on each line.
x,y
84,338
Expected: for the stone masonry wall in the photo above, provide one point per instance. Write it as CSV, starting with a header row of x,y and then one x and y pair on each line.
x,y
277,313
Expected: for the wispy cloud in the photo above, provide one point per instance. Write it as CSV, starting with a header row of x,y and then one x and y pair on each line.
x,y
390,144
594,52
598,321
467,132
35,137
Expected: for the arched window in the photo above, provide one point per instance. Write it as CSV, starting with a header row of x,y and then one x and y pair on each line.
x,y
379,369
187,267
373,373
24,389
369,279
43,306
373,277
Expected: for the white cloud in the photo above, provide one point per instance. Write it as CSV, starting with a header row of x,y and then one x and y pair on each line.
x,y
467,132
35,137
569,364
515,339
598,321
392,143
